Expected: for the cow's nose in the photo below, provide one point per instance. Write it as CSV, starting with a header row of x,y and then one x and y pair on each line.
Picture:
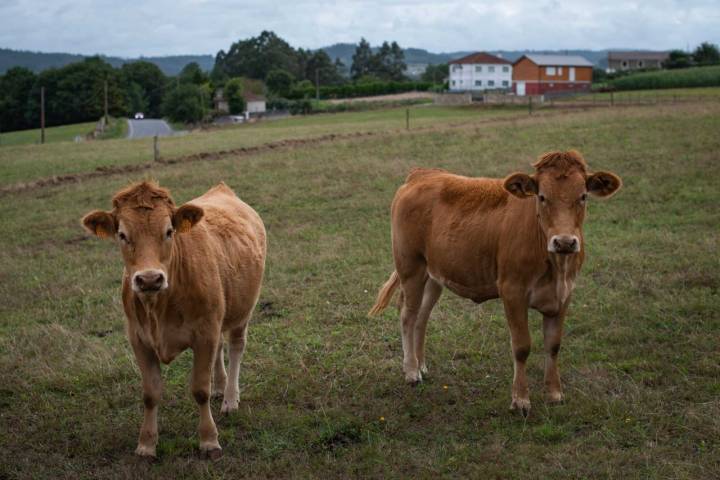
x,y
150,280
565,244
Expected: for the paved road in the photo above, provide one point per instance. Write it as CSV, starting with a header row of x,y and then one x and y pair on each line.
x,y
148,127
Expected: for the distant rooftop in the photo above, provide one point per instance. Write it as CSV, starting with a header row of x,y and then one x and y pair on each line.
x,y
480,57
557,60
638,55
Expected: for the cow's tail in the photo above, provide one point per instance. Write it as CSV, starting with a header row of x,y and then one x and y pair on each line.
x,y
385,294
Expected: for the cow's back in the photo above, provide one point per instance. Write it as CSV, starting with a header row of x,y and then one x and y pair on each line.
x,y
454,224
237,244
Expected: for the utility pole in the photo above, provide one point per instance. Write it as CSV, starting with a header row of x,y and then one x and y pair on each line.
x,y
42,114
317,84
106,107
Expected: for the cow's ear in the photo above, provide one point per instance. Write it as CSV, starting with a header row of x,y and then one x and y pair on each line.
x,y
100,223
521,185
603,184
186,217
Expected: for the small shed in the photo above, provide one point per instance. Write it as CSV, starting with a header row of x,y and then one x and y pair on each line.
x,y
254,104
221,105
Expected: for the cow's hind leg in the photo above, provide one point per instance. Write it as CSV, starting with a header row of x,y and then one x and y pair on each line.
x,y
204,355
237,341
413,287
431,294
219,374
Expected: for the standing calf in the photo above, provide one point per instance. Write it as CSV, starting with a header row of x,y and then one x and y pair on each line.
x,y
519,239
191,273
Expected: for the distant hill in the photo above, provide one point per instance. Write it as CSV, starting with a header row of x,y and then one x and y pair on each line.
x,y
38,61
171,65
344,51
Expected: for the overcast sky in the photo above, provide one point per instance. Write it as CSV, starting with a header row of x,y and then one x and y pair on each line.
x,y
130,28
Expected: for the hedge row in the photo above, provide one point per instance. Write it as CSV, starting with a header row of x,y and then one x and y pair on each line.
x,y
681,78
360,90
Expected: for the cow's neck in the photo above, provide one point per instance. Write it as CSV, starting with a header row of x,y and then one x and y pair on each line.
x,y
154,318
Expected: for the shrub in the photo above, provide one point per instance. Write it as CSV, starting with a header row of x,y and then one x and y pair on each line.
x,y
233,92
680,78
359,90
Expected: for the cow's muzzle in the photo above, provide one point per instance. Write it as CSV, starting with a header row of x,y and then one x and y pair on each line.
x,y
149,281
564,244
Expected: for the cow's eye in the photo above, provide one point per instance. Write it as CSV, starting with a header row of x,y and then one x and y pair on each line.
x,y
542,198
169,233
122,237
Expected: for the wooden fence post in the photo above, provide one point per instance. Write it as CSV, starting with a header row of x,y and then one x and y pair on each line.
x,y
156,150
407,119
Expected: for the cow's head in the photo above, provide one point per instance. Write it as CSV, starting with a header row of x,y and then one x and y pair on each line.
x,y
560,186
144,221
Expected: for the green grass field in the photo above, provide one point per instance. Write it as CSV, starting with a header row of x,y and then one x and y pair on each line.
x,y
65,133
322,390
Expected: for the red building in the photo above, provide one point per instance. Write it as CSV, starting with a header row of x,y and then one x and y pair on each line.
x,y
539,74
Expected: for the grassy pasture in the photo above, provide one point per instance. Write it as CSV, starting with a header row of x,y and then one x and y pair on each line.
x,y
64,133
322,391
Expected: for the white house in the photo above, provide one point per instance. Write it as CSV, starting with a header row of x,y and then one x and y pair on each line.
x,y
255,103
480,71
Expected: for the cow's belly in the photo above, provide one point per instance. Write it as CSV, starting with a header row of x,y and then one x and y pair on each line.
x,y
477,288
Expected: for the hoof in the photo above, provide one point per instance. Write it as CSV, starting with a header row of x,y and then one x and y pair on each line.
x,y
413,378
229,406
211,454
145,451
217,393
423,369
555,398
521,405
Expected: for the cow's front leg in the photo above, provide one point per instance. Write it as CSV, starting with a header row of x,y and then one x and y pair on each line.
x,y
516,311
149,365
203,357
552,336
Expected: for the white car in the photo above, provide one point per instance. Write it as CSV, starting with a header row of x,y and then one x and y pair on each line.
x,y
139,116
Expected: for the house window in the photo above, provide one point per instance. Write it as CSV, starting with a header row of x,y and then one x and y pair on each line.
x,y
640,64
478,83
453,83
505,83
491,69
506,69
559,70
550,71
624,64
478,68
491,83
456,68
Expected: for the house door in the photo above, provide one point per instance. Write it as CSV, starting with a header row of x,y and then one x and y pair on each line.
x,y
520,88
572,74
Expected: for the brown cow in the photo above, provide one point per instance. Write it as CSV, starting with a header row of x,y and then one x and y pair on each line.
x,y
519,239
191,273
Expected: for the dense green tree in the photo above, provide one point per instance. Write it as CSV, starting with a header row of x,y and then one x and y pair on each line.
x,y
678,59
435,73
75,93
149,82
327,71
192,73
279,82
362,60
15,88
184,103
706,54
257,56
233,92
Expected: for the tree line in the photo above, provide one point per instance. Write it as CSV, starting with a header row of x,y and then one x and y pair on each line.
x,y
263,65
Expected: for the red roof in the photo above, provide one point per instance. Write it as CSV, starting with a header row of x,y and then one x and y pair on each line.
x,y
480,57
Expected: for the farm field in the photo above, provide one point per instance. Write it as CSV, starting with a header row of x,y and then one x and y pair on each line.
x,y
322,390
65,133
664,95
27,163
